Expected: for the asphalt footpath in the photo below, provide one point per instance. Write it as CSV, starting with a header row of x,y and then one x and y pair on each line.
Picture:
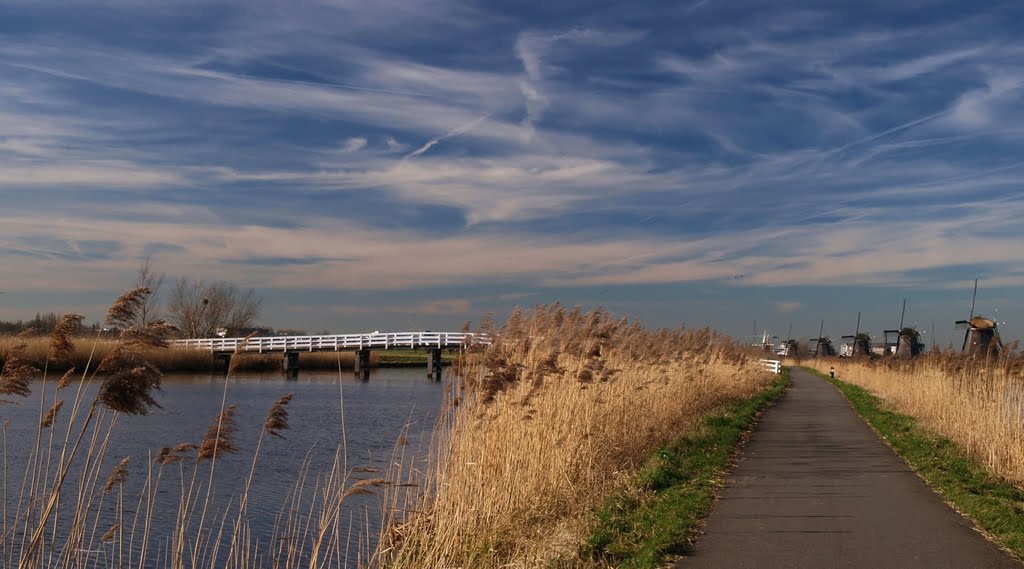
x,y
816,488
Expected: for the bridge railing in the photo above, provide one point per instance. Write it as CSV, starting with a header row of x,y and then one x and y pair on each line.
x,y
774,365
335,342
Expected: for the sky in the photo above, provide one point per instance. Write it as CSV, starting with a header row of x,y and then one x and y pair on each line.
x,y
394,165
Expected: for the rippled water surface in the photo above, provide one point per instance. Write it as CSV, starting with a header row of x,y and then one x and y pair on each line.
x,y
393,404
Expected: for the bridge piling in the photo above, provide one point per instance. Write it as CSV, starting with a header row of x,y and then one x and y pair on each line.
x,y
221,363
291,364
434,364
362,368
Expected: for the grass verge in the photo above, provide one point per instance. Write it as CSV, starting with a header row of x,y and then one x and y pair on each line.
x,y
995,505
674,490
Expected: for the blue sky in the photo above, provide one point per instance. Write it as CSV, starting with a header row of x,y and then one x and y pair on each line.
x,y
386,165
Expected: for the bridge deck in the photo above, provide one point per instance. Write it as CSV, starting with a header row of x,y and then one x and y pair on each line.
x,y
337,342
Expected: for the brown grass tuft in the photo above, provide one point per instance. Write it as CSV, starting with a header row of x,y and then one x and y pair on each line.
x,y
152,335
125,309
219,436
364,487
61,340
277,418
117,476
168,455
65,380
129,380
16,373
111,533
51,415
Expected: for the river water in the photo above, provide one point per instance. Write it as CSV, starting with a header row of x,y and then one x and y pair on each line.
x,y
394,407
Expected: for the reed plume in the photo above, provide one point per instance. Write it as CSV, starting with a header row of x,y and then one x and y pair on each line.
x,y
51,415
128,383
61,343
364,487
126,308
219,436
168,455
117,476
152,335
277,419
65,380
16,373
110,533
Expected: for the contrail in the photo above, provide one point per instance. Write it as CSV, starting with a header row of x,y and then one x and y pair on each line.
x,y
454,132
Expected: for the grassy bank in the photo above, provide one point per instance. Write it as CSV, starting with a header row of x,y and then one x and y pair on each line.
x,y
658,515
978,405
176,360
559,414
993,502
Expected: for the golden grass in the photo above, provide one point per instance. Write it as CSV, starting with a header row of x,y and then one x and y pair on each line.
x,y
172,359
558,411
977,404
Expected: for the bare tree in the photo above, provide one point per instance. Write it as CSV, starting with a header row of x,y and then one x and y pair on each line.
x,y
150,308
200,308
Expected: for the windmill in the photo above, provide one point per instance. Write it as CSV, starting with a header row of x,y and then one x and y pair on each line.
x,y
981,336
790,348
859,343
823,344
906,340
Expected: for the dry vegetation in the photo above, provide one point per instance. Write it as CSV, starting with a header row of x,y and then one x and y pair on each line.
x,y
556,415
67,505
167,359
551,419
979,404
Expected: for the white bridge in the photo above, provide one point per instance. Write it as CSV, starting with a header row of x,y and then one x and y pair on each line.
x,y
361,344
338,342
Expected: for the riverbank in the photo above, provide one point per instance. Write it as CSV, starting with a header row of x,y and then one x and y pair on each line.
x,y
963,478
659,513
557,416
178,360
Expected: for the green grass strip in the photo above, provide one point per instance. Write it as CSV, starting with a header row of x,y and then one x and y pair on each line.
x,y
675,489
995,505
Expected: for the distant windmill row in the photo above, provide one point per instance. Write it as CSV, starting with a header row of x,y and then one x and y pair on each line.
x,y
981,339
980,333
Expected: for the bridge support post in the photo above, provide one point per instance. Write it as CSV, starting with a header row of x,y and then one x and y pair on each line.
x,y
291,364
434,364
363,365
221,362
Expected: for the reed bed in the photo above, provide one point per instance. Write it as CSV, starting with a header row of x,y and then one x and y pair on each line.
x,y
977,403
169,359
67,504
555,415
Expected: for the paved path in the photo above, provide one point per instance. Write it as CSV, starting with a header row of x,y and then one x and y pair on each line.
x,y
816,488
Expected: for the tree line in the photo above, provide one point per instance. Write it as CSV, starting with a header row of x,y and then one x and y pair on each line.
x,y
197,308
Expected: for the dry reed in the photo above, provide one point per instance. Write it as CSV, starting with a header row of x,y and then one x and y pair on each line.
x,y
558,411
977,403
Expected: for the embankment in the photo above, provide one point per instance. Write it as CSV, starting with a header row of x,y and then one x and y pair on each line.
x,y
558,415
957,422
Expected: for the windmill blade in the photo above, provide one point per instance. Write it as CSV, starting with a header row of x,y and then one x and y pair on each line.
x,y
962,325
966,334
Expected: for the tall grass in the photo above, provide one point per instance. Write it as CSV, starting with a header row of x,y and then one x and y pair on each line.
x,y
555,415
977,403
67,504
170,359
559,411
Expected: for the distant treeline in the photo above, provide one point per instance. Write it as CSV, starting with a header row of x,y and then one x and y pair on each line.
x,y
43,323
